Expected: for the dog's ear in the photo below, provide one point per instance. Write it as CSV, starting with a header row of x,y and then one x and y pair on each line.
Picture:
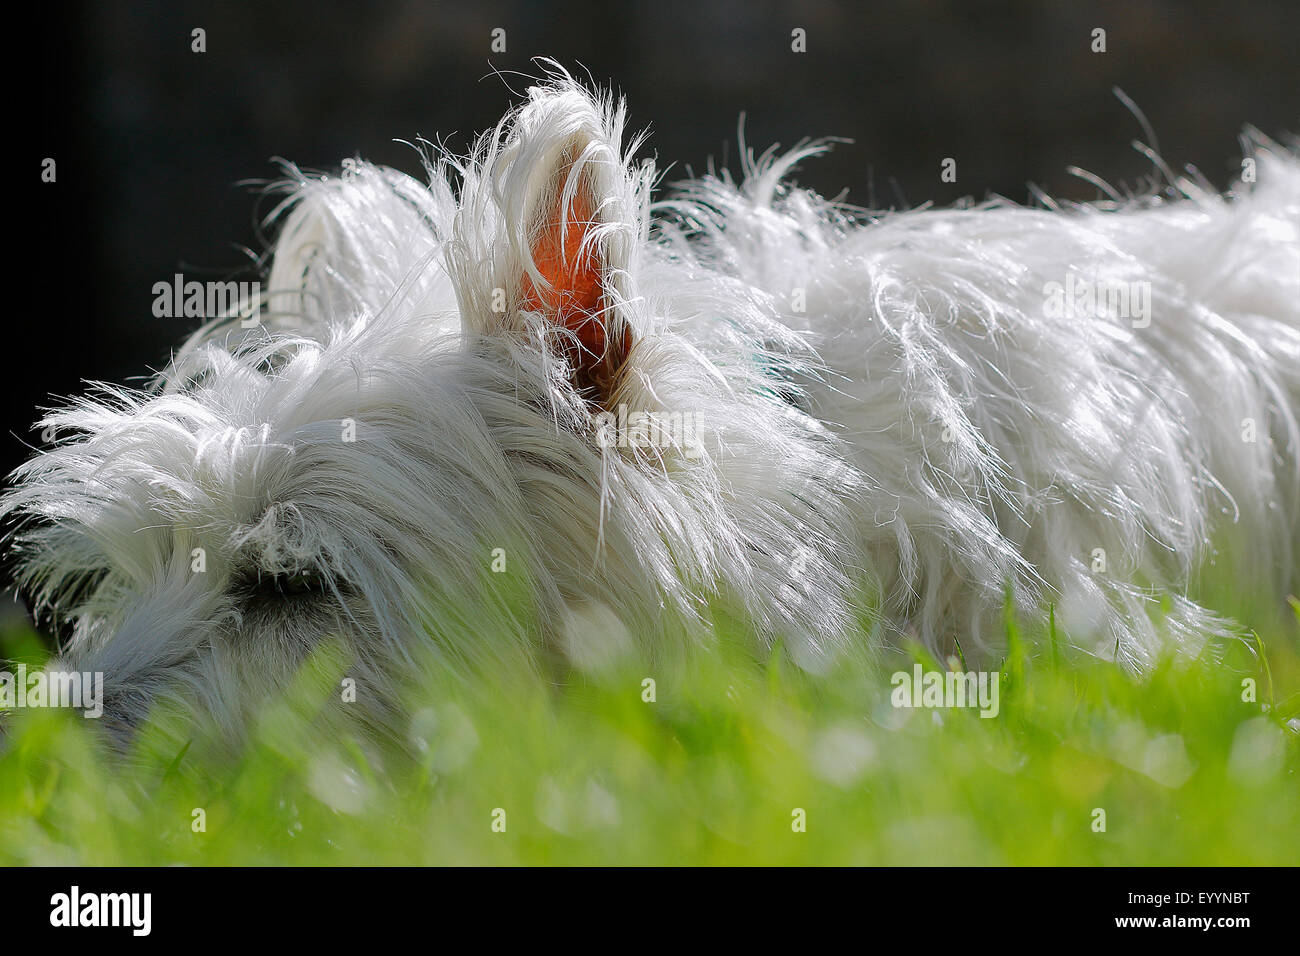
x,y
569,279
350,243
569,216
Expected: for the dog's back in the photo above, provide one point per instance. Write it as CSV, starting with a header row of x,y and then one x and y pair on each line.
x,y
1089,406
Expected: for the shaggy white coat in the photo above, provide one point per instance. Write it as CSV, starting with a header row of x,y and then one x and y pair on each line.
x,y
894,433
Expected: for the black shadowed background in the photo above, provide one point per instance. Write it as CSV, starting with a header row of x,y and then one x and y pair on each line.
x,y
152,139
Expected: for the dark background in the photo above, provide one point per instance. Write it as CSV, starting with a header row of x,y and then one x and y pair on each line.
x,y
152,139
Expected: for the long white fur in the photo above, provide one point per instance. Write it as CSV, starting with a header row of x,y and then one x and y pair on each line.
x,y
916,444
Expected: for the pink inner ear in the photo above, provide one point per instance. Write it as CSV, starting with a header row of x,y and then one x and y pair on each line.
x,y
575,299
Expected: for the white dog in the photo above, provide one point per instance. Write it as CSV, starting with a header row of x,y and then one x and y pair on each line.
x,y
513,410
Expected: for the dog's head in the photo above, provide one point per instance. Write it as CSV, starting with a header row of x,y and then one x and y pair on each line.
x,y
483,414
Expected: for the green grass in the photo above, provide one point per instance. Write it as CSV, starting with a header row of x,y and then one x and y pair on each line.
x,y
711,772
